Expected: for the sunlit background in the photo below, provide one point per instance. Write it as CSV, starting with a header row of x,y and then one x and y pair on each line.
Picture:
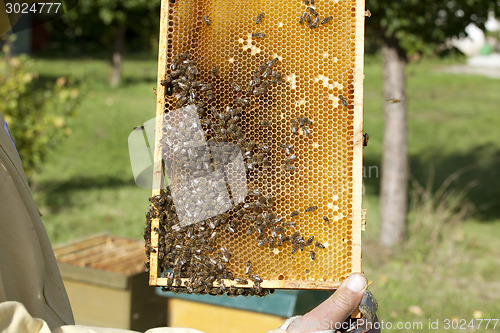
x,y
73,88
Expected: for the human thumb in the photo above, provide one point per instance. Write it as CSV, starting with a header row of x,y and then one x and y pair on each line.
x,y
336,308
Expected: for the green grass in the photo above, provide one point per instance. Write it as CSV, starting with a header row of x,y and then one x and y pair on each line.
x,y
86,186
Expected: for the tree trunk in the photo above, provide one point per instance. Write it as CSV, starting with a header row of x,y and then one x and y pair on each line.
x,y
117,56
395,169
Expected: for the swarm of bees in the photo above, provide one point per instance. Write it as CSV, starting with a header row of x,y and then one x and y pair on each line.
x,y
188,257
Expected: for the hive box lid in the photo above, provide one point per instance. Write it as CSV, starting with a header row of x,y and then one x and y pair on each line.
x,y
101,259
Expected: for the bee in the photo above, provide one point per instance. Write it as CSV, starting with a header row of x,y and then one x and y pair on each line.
x,y
314,23
272,62
259,157
257,79
271,242
319,245
261,70
295,127
214,72
259,91
294,213
224,258
259,18
247,267
327,19
343,100
166,81
258,35
251,85
206,20
326,219
182,100
206,87
308,20
312,254
275,77
241,281
302,18
235,86
291,158
311,209
201,111
255,192
176,73
249,217
242,101
255,278
309,241
368,13
222,286
366,137
266,73
295,247
265,122
264,148
211,224
288,148
312,11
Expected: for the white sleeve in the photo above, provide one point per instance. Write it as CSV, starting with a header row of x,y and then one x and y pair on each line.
x,y
14,318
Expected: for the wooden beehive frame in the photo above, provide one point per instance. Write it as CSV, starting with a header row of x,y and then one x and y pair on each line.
x,y
158,175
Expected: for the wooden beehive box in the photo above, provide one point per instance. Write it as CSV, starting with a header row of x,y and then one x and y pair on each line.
x,y
258,146
105,280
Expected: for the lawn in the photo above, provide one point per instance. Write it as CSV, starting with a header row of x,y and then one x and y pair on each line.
x,y
86,185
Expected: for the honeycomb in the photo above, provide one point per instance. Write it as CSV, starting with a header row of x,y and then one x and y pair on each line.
x,y
281,80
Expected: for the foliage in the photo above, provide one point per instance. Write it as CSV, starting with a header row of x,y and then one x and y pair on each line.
x,y
36,113
92,24
420,24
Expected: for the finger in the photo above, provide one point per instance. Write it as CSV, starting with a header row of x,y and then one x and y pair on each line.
x,y
333,310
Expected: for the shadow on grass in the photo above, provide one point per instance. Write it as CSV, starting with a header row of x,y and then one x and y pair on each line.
x,y
138,79
59,194
95,68
477,170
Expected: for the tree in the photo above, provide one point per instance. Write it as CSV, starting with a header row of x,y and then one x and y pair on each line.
x,y
403,28
36,112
